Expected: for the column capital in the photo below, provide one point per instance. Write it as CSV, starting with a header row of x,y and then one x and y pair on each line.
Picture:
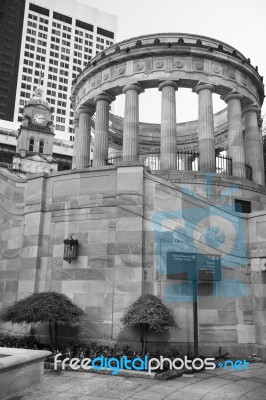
x,y
85,109
163,84
232,95
202,86
133,86
253,108
104,96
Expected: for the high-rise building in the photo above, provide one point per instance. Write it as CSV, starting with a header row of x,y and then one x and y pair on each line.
x,y
11,24
58,39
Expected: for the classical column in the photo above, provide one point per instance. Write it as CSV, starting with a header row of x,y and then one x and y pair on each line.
x,y
82,151
131,122
254,145
206,128
76,127
235,134
168,125
100,151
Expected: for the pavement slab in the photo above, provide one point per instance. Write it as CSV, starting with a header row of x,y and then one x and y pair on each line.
x,y
216,384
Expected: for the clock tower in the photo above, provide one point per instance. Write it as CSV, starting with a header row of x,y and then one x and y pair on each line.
x,y
35,137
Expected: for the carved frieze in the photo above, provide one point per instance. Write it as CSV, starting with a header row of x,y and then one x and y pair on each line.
x,y
216,69
231,74
221,73
121,70
178,64
198,65
158,64
139,66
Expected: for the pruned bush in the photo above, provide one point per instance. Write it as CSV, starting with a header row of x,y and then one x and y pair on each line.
x,y
50,307
149,313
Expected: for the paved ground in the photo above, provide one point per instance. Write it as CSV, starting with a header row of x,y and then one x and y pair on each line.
x,y
211,385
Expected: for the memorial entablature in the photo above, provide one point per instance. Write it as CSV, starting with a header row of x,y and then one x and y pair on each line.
x,y
170,61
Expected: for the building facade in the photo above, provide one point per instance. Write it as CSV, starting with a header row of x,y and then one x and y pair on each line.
x,y
57,41
62,149
11,25
171,210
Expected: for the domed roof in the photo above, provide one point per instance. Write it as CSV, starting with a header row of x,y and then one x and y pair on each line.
x,y
39,98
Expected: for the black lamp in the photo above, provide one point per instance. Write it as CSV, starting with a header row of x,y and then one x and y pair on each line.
x,y
71,249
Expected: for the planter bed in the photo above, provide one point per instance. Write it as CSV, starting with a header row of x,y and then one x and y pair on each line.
x,y
19,368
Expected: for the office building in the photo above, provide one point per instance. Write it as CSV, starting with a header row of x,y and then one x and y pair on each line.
x,y
58,39
11,24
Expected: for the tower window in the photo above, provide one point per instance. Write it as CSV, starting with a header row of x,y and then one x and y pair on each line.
x,y
31,146
41,148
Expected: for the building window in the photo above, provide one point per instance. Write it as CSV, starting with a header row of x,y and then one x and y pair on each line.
x,y
44,21
84,25
31,146
62,18
242,206
31,16
54,47
32,24
65,35
40,58
43,28
28,62
42,35
106,33
54,39
39,10
31,32
41,147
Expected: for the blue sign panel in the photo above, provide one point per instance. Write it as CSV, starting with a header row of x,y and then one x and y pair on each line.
x,y
193,266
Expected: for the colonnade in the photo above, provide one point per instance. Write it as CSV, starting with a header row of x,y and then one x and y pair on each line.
x,y
243,149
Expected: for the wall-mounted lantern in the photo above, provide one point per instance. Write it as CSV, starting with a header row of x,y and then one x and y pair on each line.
x,y
71,249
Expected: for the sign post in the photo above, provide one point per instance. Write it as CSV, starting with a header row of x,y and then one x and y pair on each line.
x,y
195,318
196,268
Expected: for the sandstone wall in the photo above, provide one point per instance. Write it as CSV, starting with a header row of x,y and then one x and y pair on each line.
x,y
126,221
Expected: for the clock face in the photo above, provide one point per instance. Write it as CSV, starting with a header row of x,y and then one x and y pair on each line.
x,y
39,118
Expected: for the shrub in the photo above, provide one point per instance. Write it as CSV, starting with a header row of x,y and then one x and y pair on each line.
x,y
148,312
51,307
19,342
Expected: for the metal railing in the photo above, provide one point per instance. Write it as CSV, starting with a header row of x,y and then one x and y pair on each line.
x,y
151,160
114,159
248,172
5,165
223,164
186,161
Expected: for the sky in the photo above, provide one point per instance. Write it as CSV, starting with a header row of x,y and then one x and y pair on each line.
x,y
240,23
